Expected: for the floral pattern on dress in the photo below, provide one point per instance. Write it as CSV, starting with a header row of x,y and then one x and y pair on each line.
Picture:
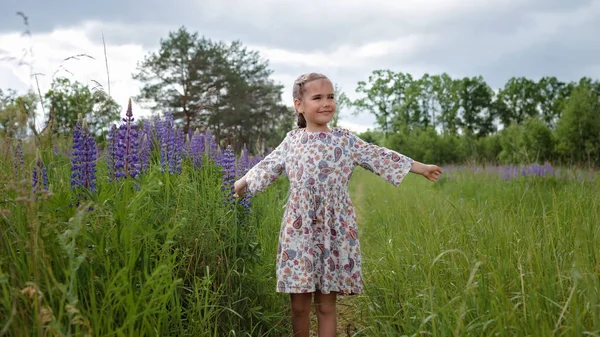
x,y
319,248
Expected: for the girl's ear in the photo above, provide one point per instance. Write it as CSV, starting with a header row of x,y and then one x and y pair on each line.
x,y
298,105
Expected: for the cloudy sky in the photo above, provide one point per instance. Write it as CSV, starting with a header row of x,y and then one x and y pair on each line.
x,y
347,40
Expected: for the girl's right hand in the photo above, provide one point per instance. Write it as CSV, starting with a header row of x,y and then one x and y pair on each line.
x,y
239,187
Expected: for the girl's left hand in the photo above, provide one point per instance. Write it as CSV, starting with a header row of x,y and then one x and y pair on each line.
x,y
432,172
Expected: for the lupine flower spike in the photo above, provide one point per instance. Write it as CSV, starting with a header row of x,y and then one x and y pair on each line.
x,y
228,169
39,171
83,158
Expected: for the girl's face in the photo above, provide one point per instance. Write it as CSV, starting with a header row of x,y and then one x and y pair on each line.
x,y
318,103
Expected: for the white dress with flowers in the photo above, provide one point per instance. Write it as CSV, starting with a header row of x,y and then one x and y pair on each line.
x,y
319,247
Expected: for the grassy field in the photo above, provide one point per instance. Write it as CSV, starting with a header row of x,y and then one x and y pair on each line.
x,y
167,254
476,255
162,254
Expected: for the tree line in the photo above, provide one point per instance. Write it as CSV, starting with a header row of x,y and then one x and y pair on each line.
x,y
227,89
452,120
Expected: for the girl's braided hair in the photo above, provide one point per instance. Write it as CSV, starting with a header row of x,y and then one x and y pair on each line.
x,y
298,91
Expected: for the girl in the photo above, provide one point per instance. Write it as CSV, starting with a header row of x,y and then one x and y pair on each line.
x,y
319,250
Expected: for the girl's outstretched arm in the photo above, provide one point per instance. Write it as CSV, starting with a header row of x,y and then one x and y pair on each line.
x,y
390,165
263,174
431,172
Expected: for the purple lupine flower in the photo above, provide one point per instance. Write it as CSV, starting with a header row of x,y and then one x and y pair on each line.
x,y
197,147
244,162
144,152
114,162
179,143
164,130
128,145
145,138
171,142
244,166
254,160
219,156
39,170
212,146
83,158
548,169
228,169
187,150
18,159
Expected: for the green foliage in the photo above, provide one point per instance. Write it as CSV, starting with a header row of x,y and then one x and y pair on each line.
x,y
213,85
475,98
578,129
67,99
15,112
425,145
474,255
159,255
531,142
443,120
341,101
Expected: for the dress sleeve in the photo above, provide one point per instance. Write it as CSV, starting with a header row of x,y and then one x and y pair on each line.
x,y
386,163
265,172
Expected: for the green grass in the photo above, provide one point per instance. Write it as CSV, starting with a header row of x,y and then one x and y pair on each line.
x,y
161,255
477,256
472,255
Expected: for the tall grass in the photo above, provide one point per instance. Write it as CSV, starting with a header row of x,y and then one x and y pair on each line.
x,y
160,255
478,256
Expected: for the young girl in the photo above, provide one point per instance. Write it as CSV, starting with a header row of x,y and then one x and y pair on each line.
x,y
319,250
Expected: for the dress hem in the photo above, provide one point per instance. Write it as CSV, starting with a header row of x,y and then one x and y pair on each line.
x,y
315,289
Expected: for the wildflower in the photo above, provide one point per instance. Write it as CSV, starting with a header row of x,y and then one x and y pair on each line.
x,y
83,158
228,169
18,159
114,162
243,168
129,144
244,162
145,138
39,170
128,141
197,146
123,148
212,146
171,141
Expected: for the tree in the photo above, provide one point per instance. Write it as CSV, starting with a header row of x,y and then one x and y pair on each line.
x,y
414,110
445,90
250,104
428,100
341,102
519,100
475,98
577,129
383,95
211,85
552,95
69,99
183,77
15,112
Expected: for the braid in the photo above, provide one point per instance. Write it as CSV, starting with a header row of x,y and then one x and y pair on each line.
x,y
298,91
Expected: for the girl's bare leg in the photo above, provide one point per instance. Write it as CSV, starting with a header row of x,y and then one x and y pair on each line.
x,y
301,314
326,313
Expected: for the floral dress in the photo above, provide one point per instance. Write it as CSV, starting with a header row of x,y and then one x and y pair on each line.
x,y
318,246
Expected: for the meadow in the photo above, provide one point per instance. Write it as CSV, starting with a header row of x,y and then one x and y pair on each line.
x,y
496,251
114,242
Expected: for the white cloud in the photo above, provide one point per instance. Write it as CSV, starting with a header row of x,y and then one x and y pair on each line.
x,y
346,40
52,54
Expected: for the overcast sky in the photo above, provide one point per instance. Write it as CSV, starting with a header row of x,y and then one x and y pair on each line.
x,y
347,40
